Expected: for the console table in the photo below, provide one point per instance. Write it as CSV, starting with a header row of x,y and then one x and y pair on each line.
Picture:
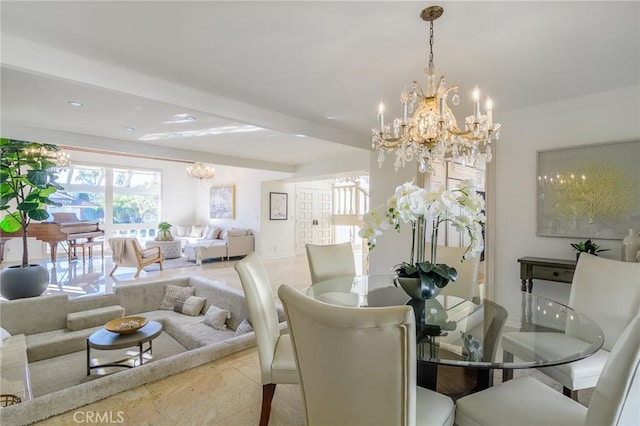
x,y
541,268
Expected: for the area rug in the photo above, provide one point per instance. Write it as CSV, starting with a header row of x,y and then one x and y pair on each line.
x,y
180,262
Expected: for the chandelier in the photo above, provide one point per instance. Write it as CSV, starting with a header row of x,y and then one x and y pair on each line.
x,y
431,133
201,171
60,159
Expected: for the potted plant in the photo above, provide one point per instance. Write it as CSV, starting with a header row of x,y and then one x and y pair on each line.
x,y
27,180
587,247
414,205
164,233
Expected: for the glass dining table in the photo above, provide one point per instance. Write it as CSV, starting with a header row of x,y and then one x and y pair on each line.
x,y
472,334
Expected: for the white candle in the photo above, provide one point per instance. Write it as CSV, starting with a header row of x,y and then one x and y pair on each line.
x,y
489,106
404,96
381,117
476,103
442,114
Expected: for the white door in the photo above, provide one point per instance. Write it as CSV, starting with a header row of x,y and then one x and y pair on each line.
x,y
313,218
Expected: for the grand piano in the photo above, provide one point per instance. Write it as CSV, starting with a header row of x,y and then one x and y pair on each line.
x,y
65,227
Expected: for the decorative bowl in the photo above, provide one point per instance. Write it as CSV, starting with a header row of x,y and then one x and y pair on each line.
x,y
126,325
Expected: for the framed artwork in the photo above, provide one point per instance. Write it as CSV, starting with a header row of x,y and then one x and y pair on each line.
x,y
222,204
589,191
278,206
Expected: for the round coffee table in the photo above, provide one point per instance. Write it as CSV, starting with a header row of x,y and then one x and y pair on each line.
x,y
170,249
107,340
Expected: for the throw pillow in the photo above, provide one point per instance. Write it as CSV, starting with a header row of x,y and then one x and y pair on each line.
x,y
172,293
181,231
213,233
4,334
217,317
196,231
191,305
244,327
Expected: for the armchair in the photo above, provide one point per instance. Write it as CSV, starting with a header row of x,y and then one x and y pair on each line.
x,y
127,252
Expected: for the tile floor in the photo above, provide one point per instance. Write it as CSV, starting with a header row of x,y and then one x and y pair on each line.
x,y
224,392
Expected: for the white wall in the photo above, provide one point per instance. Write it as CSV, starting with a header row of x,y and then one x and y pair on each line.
x,y
604,117
278,236
185,200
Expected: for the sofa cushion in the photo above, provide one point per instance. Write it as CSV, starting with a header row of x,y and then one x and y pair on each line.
x,y
147,296
196,231
222,296
57,342
93,317
244,328
237,232
213,233
191,305
4,334
216,317
182,230
172,293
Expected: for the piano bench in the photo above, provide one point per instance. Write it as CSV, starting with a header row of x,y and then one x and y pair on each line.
x,y
73,245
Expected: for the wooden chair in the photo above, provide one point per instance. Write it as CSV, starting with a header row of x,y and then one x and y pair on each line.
x,y
330,261
127,252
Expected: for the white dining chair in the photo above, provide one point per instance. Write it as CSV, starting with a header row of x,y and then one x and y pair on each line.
x,y
466,285
275,353
527,401
357,366
608,292
330,261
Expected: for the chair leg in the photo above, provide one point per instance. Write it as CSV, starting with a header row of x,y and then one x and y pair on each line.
x,y
113,270
267,396
137,273
573,394
160,265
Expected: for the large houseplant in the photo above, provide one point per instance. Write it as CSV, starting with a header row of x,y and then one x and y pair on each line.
x,y
461,206
27,180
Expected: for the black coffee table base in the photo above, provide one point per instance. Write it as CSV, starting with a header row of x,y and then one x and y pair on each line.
x,y
124,362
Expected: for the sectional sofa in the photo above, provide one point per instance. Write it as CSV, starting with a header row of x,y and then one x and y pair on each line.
x,y
205,242
50,326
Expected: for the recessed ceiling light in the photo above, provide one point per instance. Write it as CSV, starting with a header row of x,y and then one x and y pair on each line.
x,y
129,129
301,136
182,118
75,104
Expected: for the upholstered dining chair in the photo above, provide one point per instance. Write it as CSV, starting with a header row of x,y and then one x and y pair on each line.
x,y
526,401
127,252
277,364
607,291
466,285
357,366
330,261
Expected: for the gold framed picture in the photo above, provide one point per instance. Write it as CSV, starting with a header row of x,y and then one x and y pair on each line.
x,y
222,204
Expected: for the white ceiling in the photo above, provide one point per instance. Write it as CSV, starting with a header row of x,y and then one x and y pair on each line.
x,y
286,69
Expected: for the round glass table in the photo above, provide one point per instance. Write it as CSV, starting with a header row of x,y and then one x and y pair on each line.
x,y
475,334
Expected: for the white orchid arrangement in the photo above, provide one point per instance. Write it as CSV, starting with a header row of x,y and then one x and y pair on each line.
x,y
462,207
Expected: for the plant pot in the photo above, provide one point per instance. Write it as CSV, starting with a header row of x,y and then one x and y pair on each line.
x,y
413,288
17,282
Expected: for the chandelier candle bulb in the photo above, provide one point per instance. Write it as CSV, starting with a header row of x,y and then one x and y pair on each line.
x,y
381,117
442,115
476,104
489,106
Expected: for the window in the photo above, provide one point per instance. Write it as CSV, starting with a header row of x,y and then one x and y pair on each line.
x,y
125,201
